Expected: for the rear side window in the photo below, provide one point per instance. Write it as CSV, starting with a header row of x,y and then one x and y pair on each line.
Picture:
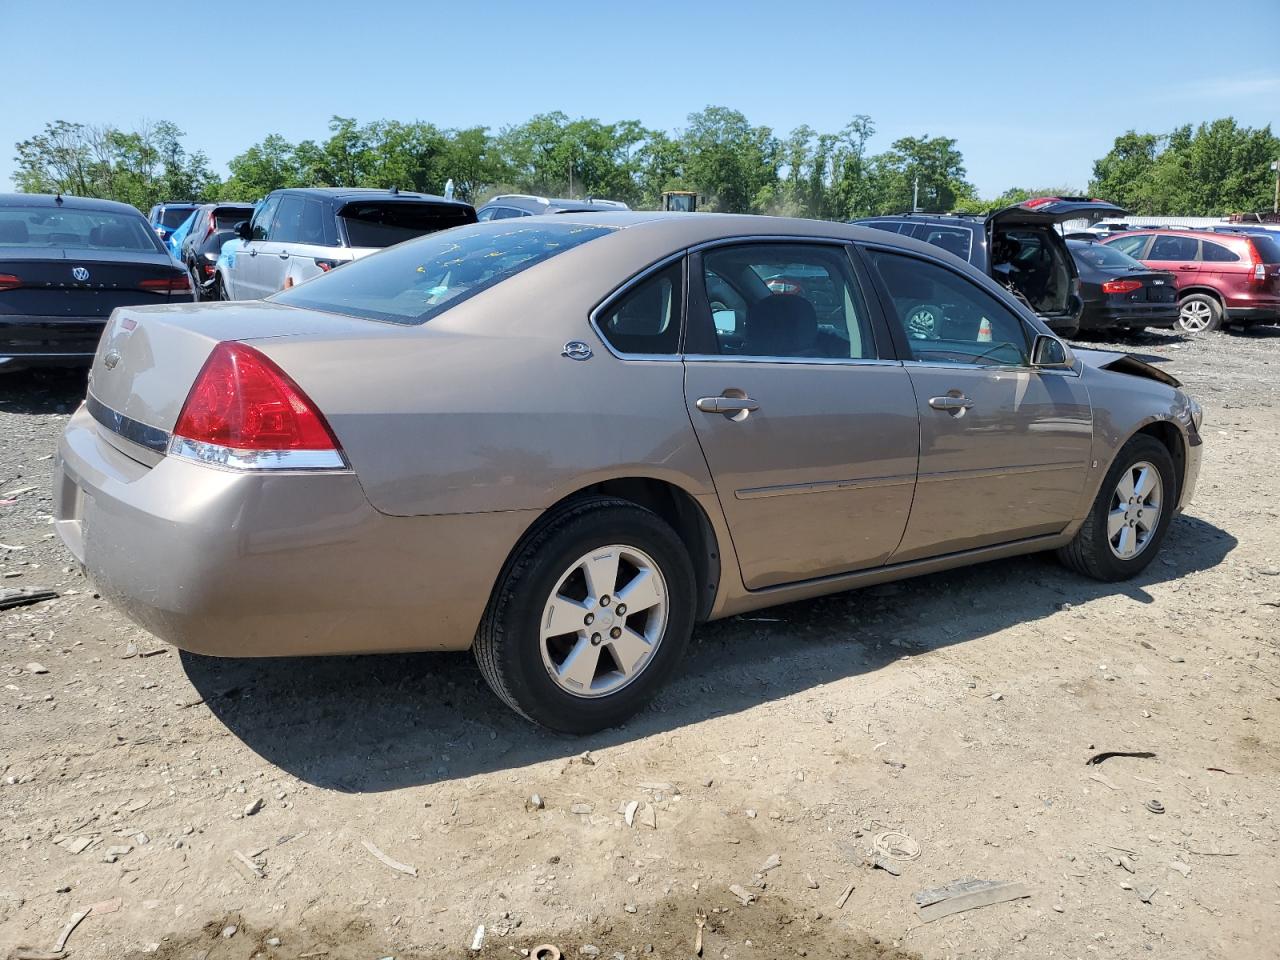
x,y
383,224
1216,253
646,318
416,281
1174,248
54,228
950,239
1268,248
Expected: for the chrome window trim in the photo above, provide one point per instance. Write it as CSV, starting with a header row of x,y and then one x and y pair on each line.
x,y
994,367
593,318
768,238
814,361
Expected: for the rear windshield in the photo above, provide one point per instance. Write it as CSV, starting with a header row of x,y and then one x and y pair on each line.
x,y
382,224
173,216
1268,248
59,228
414,282
225,219
1104,256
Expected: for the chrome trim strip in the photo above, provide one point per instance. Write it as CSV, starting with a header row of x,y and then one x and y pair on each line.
x,y
823,486
822,361
992,367
1000,471
770,238
229,458
144,435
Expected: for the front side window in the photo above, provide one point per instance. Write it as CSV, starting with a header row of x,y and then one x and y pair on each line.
x,y
1172,248
786,300
286,227
262,219
1212,252
1130,245
415,281
948,318
646,319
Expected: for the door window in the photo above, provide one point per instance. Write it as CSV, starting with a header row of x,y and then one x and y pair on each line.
x,y
950,239
786,300
287,225
262,219
646,319
1212,252
1130,245
1174,248
948,318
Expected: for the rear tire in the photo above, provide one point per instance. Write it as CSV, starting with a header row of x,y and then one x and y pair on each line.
x,y
605,665
1112,544
219,288
1199,313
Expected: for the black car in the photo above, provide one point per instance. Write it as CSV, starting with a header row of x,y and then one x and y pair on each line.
x,y
215,224
167,217
65,264
524,205
1017,246
1121,293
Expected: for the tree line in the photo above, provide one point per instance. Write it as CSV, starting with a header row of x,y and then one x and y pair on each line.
x,y
1219,167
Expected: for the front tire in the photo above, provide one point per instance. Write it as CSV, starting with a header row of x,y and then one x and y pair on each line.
x,y
1199,313
590,616
1130,516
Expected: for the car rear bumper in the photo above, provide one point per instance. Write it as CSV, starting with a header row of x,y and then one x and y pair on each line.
x,y
228,563
48,341
1129,315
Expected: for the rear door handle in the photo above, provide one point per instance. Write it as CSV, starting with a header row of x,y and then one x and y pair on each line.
x,y
1188,267
729,406
283,254
950,403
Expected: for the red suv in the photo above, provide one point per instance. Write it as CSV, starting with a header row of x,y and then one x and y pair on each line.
x,y
1222,278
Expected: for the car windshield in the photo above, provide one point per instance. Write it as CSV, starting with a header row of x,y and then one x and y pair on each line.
x,y
173,216
1107,257
416,281
383,224
64,228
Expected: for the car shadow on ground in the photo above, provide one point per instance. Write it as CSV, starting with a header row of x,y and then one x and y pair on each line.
x,y
375,723
42,391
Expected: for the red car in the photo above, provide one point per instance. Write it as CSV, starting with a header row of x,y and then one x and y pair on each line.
x,y
1222,278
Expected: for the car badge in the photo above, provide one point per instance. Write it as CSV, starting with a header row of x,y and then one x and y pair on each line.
x,y
80,273
576,350
1157,283
110,360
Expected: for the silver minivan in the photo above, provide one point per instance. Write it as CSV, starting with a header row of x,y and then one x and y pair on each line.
x,y
297,234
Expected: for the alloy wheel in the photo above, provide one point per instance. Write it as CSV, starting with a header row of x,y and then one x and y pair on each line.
x,y
604,621
1195,316
1136,505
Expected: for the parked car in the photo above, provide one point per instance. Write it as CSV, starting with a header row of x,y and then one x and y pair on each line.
x,y
509,205
1017,246
173,242
1222,278
213,225
65,264
1121,293
165,217
538,441
298,234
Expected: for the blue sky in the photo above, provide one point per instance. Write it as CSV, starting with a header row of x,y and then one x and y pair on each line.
x,y
1033,92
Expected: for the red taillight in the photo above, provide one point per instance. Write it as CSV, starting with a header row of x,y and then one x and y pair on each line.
x,y
1258,269
213,225
1121,286
176,284
243,401
326,265
1038,202
9,282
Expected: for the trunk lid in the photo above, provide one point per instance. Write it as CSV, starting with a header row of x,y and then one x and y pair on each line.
x,y
90,283
1050,210
148,359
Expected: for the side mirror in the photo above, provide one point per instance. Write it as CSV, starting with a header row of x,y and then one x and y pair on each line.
x,y
243,230
1050,352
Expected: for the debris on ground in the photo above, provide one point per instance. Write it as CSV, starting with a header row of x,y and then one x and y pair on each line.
x,y
1155,806
772,863
1108,754
742,893
477,939
21,598
844,897
895,845
700,920
393,864
962,895
535,802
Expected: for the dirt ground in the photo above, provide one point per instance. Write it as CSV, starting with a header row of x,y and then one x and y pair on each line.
x,y
959,709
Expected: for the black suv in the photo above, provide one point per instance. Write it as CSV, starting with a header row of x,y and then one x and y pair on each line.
x,y
1017,246
523,205
215,224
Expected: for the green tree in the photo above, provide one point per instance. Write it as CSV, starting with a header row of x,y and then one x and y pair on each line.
x,y
934,162
733,163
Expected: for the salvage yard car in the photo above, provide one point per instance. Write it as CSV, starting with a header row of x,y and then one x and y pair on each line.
x,y
1121,293
301,233
1018,246
563,441
65,264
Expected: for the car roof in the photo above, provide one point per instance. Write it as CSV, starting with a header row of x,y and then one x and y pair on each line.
x,y
531,202
1181,232
367,193
65,202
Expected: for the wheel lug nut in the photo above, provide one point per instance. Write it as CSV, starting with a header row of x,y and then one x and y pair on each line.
x,y
616,632
622,609
595,639
589,619
604,601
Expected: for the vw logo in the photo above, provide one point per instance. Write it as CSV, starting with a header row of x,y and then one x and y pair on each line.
x,y
576,350
80,273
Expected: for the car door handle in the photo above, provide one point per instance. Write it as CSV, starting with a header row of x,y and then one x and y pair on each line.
x,y
729,406
950,403
253,252
1188,266
283,254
